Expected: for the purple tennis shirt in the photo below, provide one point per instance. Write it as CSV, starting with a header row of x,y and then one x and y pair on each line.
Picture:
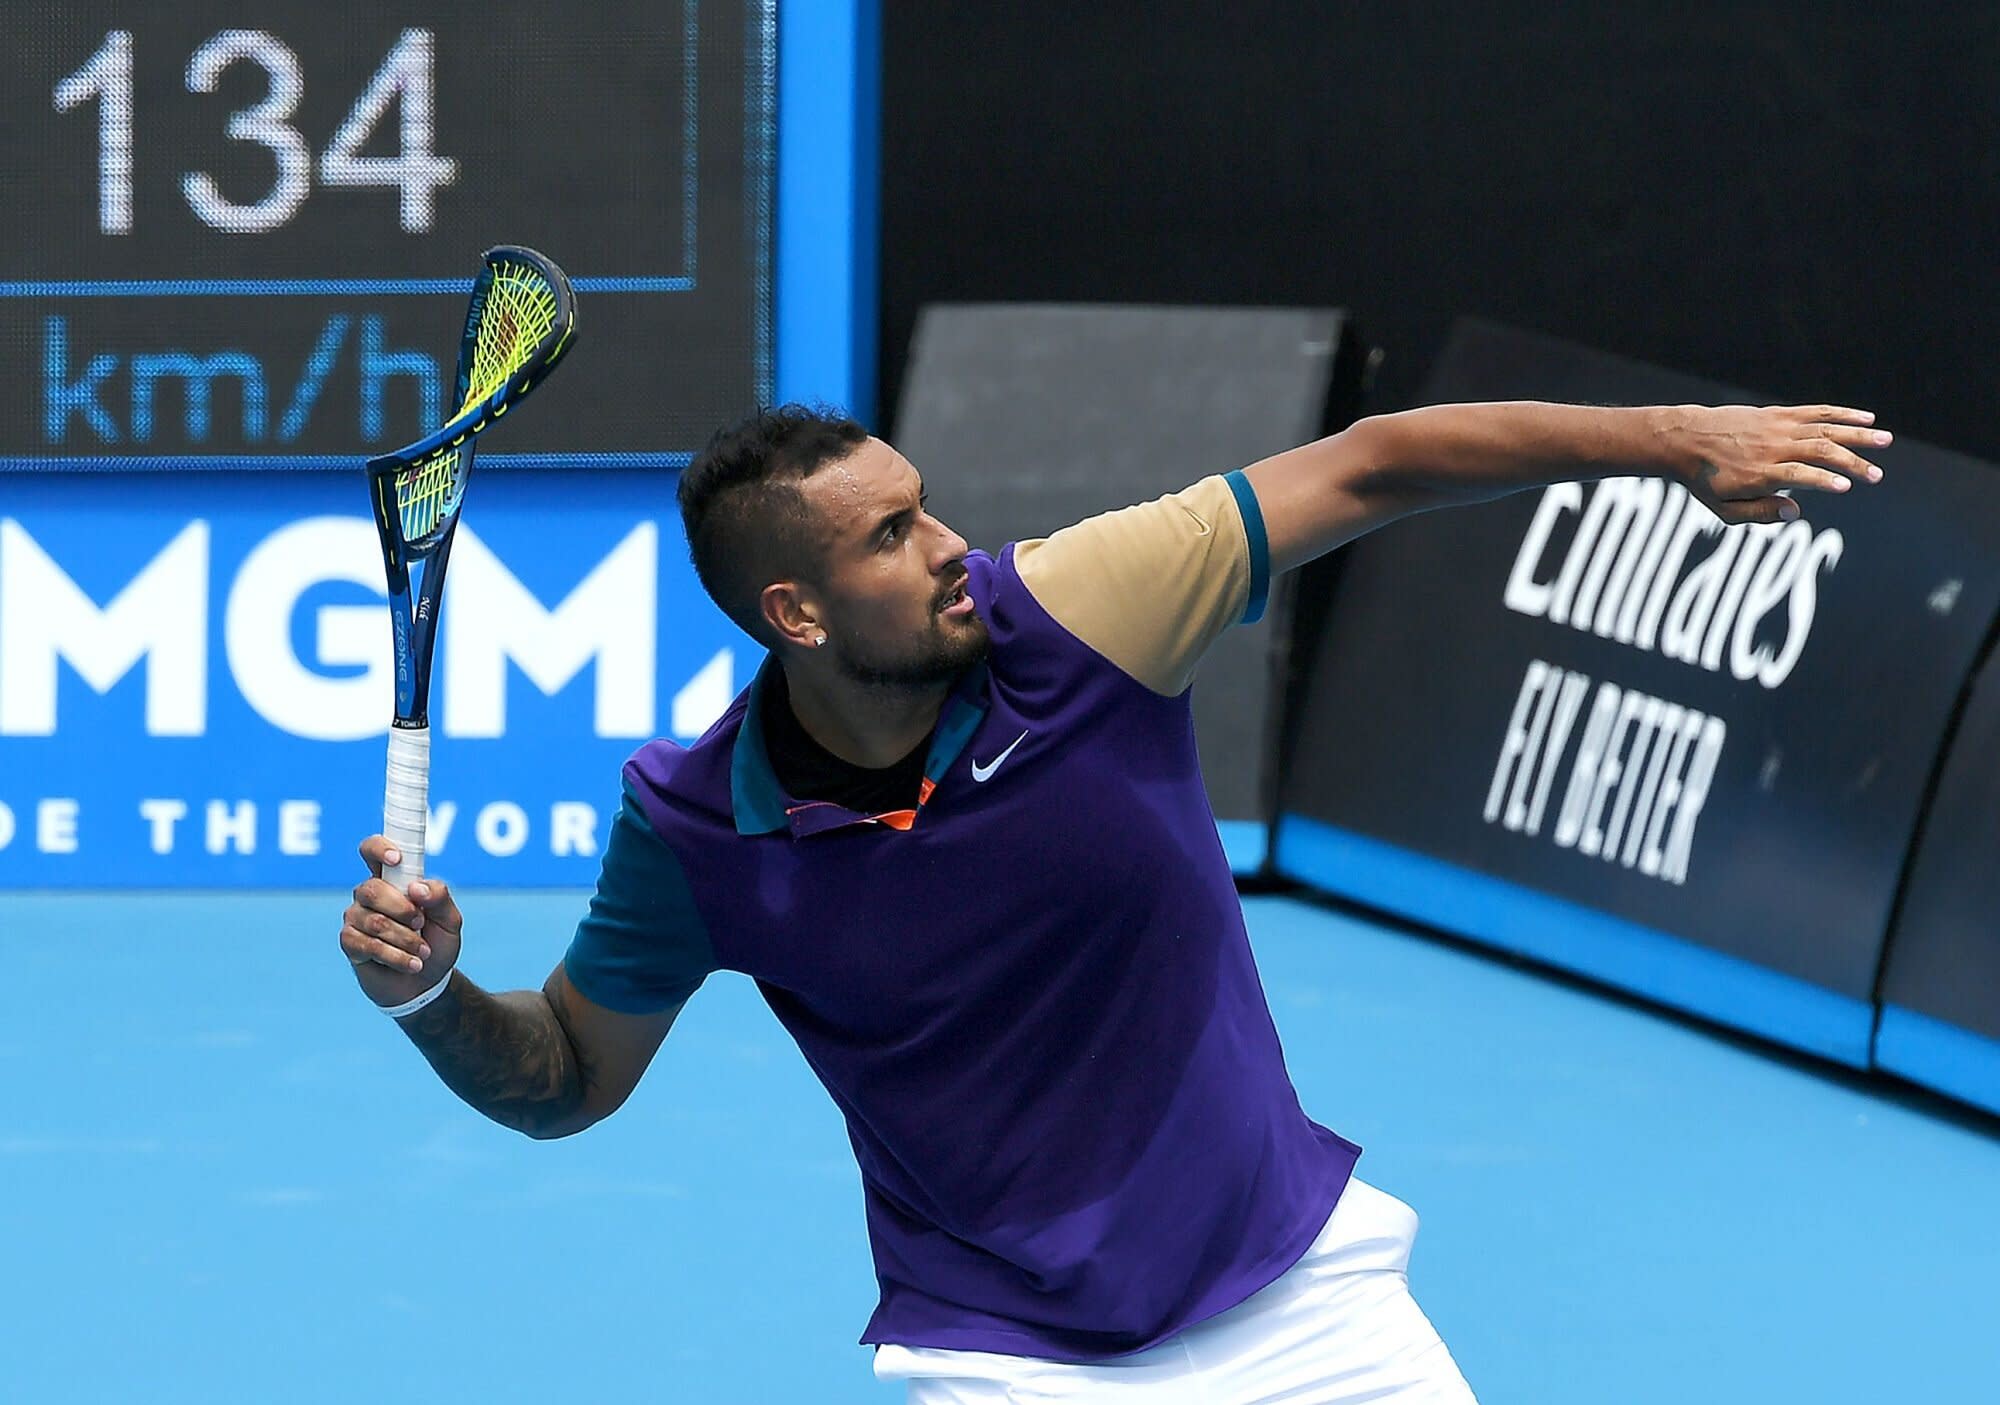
x,y
1035,1002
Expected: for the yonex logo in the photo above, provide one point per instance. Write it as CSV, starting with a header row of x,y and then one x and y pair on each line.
x,y
982,773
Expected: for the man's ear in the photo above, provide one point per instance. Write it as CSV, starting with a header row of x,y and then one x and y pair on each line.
x,y
791,614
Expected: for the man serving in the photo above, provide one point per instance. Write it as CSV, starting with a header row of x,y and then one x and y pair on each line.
x,y
956,832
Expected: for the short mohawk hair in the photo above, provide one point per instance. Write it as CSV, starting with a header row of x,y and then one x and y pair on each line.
x,y
745,519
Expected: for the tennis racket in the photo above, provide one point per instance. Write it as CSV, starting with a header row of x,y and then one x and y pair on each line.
x,y
521,322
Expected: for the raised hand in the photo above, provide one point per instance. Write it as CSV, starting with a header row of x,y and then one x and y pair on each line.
x,y
1738,459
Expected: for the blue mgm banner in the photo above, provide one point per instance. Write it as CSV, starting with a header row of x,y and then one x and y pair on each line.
x,y
195,676
244,274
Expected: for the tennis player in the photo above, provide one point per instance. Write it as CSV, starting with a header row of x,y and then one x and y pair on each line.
x,y
956,832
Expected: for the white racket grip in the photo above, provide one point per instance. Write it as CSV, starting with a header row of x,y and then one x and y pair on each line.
x,y
406,802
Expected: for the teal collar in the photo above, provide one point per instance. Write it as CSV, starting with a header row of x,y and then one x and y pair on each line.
x,y
760,803
754,792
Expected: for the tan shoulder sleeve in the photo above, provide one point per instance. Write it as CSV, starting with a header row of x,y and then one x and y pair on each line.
x,y
1148,587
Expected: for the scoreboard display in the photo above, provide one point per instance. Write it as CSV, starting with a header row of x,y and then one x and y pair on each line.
x,y
239,240
240,235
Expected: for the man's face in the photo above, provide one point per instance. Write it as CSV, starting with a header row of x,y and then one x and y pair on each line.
x,y
892,599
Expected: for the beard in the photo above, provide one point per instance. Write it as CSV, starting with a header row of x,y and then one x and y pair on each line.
x,y
926,661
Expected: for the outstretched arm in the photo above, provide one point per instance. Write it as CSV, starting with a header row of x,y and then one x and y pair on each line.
x,y
1736,459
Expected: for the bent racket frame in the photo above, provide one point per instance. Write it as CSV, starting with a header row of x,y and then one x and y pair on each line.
x,y
418,491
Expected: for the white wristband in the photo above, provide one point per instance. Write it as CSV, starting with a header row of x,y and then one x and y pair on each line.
x,y
410,1007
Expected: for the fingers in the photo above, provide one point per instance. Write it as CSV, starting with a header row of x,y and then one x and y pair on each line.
x,y
1833,414
372,937
1756,510
1829,435
386,925
1805,475
436,905
1833,447
373,853
380,895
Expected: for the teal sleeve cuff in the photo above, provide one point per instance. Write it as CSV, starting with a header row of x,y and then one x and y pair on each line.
x,y
642,947
1260,546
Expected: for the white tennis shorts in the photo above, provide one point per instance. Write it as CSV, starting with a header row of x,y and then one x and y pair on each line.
x,y
1340,1325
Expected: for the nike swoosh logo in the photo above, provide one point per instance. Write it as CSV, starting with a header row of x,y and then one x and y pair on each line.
x,y
1201,523
982,773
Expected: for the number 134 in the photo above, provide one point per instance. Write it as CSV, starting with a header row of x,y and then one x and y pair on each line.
x,y
416,171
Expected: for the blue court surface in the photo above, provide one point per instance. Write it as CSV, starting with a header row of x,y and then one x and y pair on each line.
x,y
227,1179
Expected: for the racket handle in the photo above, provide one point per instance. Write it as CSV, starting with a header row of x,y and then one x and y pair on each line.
x,y
406,802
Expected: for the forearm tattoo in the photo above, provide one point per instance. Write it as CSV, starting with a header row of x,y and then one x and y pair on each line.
x,y
506,1055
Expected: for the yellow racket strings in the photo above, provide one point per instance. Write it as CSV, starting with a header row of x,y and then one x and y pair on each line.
x,y
428,490
520,310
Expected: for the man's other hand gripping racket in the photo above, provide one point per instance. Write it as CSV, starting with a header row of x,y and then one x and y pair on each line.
x,y
521,321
